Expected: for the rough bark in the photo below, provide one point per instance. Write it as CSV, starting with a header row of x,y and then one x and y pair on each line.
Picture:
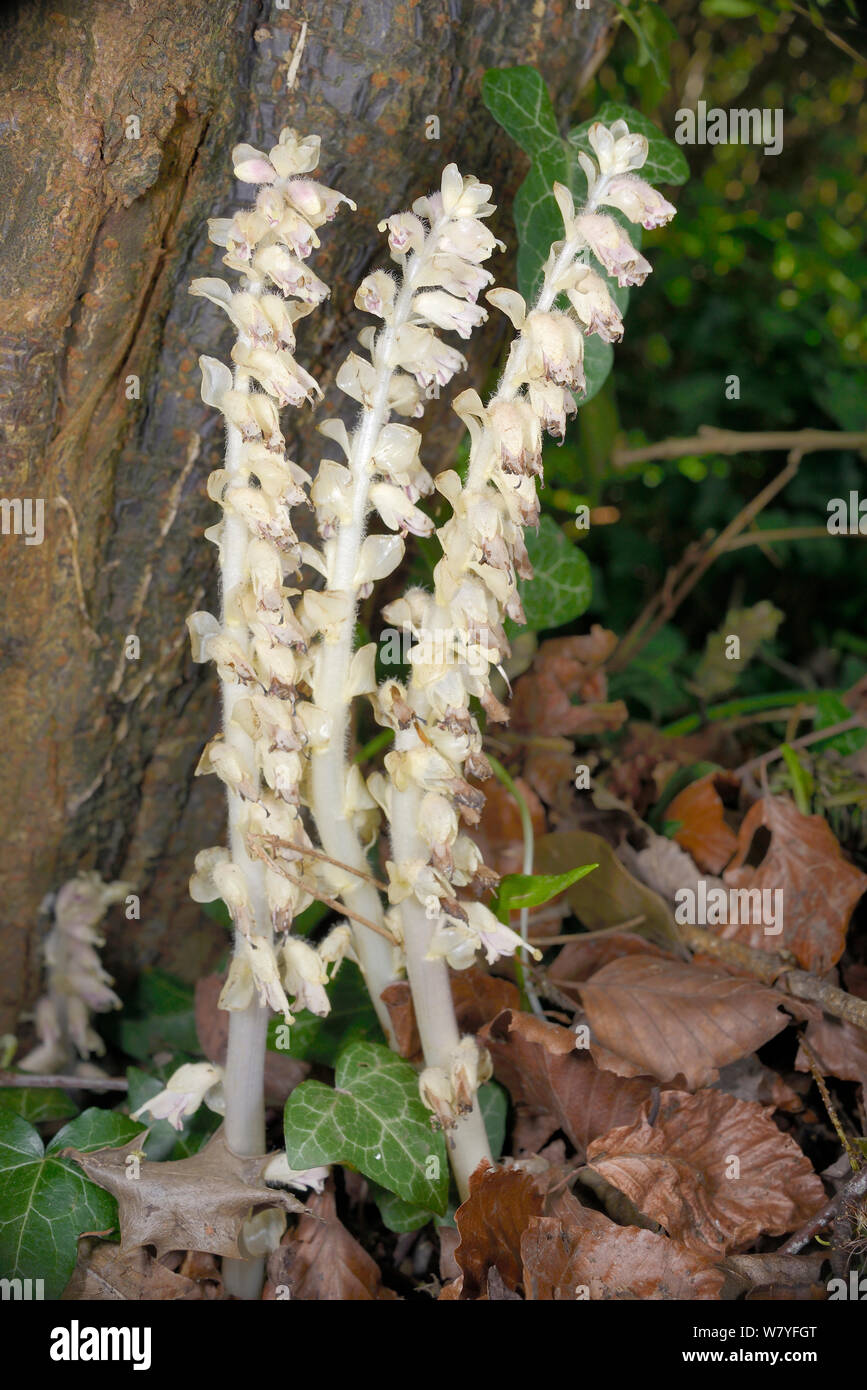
x,y
101,234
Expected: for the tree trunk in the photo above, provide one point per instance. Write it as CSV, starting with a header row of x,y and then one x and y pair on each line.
x,y
119,120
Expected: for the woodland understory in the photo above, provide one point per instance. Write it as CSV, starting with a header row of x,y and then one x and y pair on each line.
x,y
444,669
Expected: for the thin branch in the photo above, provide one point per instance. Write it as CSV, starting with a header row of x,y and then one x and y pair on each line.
x,y
856,721
777,973
303,853
65,1083
259,853
855,1186
680,581
714,441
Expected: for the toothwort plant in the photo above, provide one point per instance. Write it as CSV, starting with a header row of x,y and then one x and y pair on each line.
x,y
302,818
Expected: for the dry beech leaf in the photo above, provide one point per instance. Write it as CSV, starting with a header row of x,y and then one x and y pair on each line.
x,y
500,834
196,1203
703,831
582,957
282,1073
478,997
785,1274
540,1067
840,1048
586,1251
667,1017
750,1079
320,1261
820,887
490,1224
397,998
106,1273
562,668
610,895
715,1172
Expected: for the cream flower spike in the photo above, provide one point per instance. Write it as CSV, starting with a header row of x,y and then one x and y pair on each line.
x,y
476,580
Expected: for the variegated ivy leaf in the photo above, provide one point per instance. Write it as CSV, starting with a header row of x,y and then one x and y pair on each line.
x,y
372,1120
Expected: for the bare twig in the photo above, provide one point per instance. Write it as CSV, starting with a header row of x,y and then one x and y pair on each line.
x,y
856,721
65,1083
259,852
713,441
855,1186
773,970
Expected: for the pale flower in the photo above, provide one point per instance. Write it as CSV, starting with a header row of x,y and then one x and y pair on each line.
x,y
638,201
612,247
184,1092
444,310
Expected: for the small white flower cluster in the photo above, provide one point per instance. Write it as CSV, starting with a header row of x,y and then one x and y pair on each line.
x,y
438,741
262,647
77,984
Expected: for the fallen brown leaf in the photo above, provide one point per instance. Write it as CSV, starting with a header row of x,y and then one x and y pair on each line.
x,y
750,1079
820,887
540,1067
703,831
715,1172
196,1203
320,1261
840,1048
610,895
105,1273
478,997
581,957
591,1257
786,1274
667,1017
562,668
490,1224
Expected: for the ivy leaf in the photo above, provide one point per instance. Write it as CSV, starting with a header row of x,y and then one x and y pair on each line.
x,y
352,1019
38,1103
561,588
374,1121
532,890
519,101
47,1203
665,163
402,1216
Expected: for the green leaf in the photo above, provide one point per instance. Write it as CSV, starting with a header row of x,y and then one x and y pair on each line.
x,y
374,1121
830,709
352,1019
38,1103
46,1201
560,589
532,890
666,162
160,1018
651,676
401,1216
519,101
494,1105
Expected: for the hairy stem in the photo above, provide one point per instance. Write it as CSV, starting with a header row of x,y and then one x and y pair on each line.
x,y
432,995
244,1077
329,766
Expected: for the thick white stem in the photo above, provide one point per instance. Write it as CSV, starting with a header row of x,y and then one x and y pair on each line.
x,y
328,773
244,1078
431,991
